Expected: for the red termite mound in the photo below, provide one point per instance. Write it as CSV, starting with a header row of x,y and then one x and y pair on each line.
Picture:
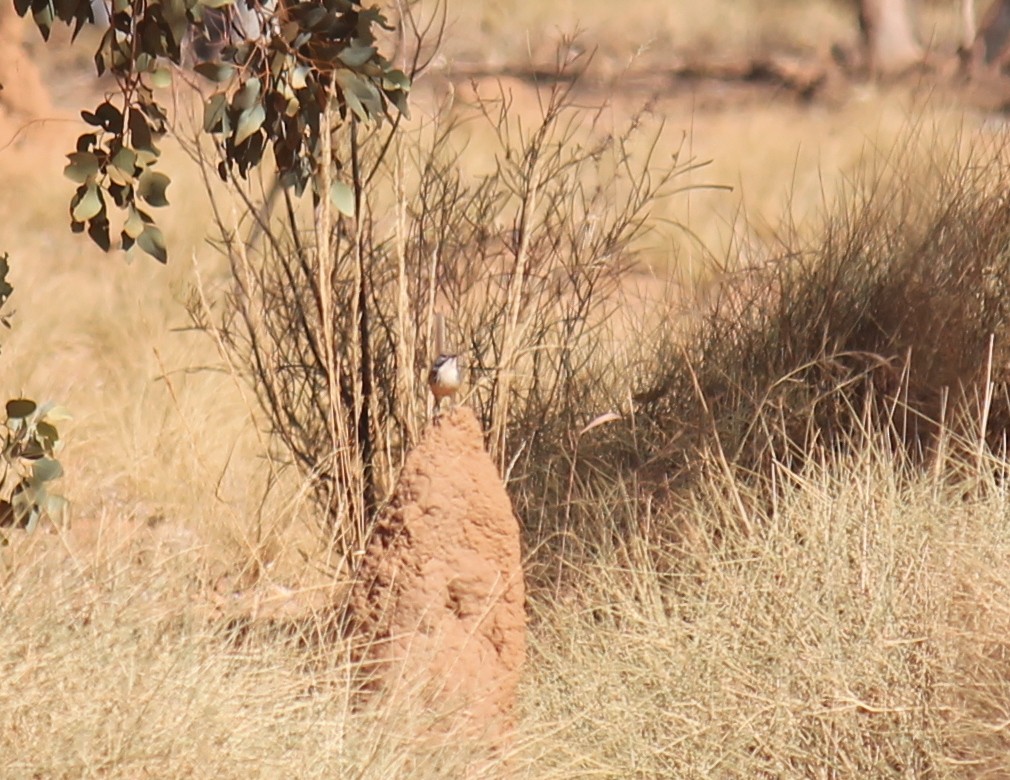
x,y
439,596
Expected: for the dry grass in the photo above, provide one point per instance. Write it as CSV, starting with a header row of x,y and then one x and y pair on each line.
x,y
112,669
858,629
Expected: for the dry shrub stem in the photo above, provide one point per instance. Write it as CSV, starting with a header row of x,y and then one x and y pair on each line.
x,y
525,260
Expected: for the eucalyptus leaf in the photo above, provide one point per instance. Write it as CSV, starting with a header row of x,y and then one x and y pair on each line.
x,y
125,160
152,241
246,97
31,450
5,286
361,95
32,521
342,198
19,408
98,231
47,435
395,79
215,71
89,206
399,99
140,132
249,122
162,77
355,56
46,469
134,225
299,76
145,63
43,18
214,113
106,116
151,187
82,166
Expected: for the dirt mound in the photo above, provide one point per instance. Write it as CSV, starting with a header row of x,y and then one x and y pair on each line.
x,y
439,594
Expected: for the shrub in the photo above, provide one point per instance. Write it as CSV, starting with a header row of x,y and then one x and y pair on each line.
x,y
334,320
894,316
29,440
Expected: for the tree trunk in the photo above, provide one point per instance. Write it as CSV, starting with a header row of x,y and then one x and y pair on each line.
x,y
994,32
23,92
968,24
889,35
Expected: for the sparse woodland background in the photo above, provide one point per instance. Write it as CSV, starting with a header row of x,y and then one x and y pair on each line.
x,y
786,553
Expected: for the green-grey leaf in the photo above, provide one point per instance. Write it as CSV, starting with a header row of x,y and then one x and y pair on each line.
x,y
134,225
216,3
33,519
90,205
174,12
360,95
5,286
395,79
399,98
125,160
246,97
44,20
145,63
81,167
249,122
215,71
46,469
152,241
342,197
152,186
162,77
214,112
356,56
299,77
19,408
47,434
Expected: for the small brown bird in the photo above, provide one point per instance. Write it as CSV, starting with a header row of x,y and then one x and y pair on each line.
x,y
444,378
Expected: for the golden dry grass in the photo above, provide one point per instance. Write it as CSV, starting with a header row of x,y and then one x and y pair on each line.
x,y
860,631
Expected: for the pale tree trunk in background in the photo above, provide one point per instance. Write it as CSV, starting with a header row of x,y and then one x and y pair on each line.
x,y
889,35
23,91
994,32
968,25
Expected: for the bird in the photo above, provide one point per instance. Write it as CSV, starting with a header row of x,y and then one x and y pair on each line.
x,y
444,378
